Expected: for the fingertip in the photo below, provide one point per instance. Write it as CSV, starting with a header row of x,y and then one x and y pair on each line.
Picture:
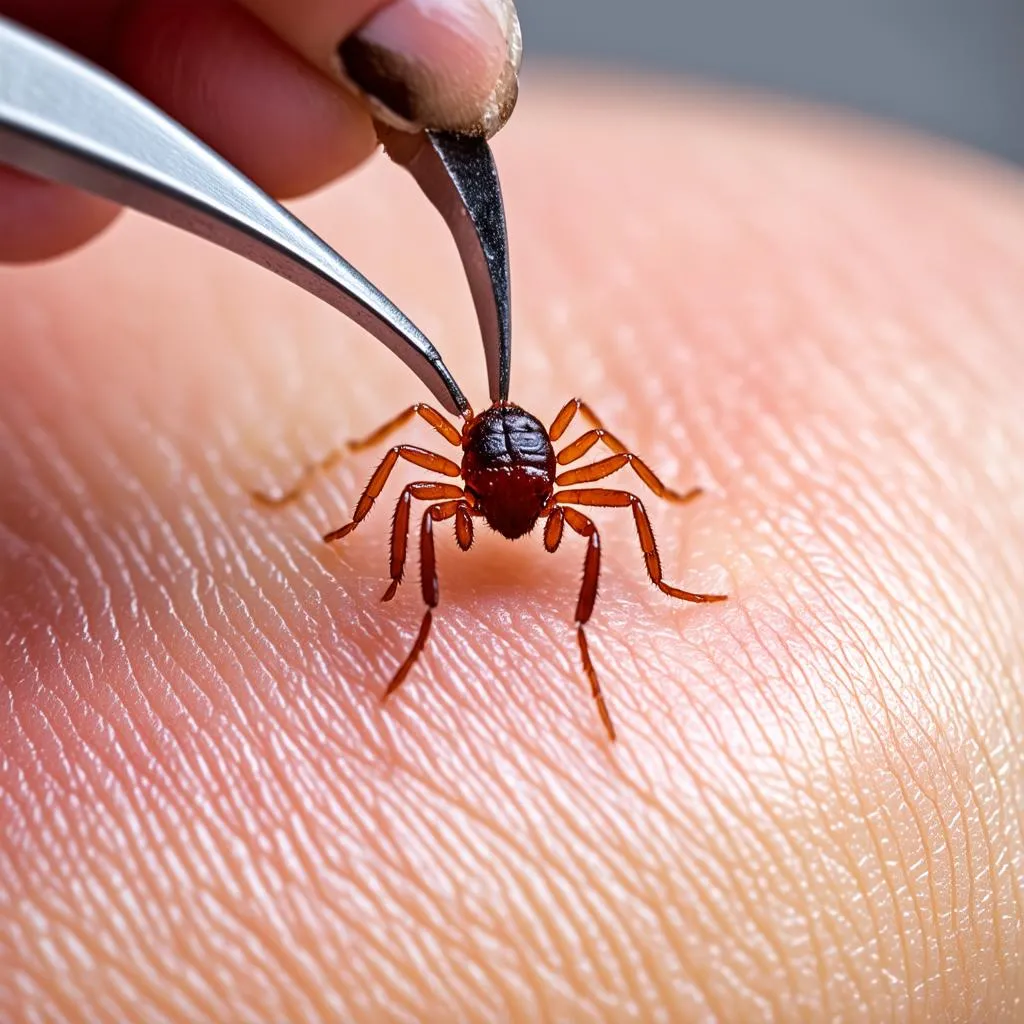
x,y
448,66
451,67
40,220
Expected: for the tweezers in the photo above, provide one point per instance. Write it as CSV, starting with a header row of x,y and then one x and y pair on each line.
x,y
66,120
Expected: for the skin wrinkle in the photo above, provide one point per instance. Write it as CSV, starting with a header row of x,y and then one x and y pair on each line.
x,y
851,610
775,716
301,980
850,956
868,901
638,891
793,898
418,934
772,957
970,873
922,831
399,873
813,938
685,831
722,828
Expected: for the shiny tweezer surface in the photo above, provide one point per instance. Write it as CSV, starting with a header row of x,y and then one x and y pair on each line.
x,y
67,120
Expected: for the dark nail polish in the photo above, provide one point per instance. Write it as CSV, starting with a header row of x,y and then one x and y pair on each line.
x,y
381,74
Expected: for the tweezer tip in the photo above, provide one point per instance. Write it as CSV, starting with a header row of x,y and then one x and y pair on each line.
x,y
470,165
458,175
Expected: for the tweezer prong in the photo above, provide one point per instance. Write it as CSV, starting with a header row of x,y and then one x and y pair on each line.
x,y
458,175
64,119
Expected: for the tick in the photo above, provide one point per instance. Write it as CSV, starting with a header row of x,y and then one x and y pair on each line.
x,y
511,480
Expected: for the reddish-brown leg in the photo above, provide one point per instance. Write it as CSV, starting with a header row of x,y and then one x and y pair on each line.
x,y
428,585
612,464
425,412
400,525
568,413
553,529
418,457
464,526
296,490
599,497
588,592
599,470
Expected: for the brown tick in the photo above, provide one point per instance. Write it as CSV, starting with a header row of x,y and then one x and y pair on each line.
x,y
510,473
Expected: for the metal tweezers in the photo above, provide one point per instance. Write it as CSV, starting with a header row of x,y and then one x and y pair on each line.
x,y
66,120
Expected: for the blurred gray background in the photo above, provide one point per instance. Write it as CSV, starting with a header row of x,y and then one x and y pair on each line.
x,y
952,67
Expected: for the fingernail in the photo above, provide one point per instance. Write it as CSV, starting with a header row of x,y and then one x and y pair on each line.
x,y
448,65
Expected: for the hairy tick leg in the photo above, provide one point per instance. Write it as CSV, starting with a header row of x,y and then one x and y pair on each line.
x,y
428,585
586,528
568,413
599,497
426,412
418,457
299,487
612,464
595,686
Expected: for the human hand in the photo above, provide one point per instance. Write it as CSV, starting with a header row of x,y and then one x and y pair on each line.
x,y
261,81
814,808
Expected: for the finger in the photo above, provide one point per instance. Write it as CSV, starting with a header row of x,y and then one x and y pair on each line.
x,y
39,220
220,72
83,25
812,809
449,65
224,75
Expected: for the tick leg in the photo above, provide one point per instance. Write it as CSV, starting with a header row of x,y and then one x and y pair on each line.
x,y
300,485
591,564
425,489
400,527
601,498
428,585
595,686
605,467
431,415
553,529
464,526
578,448
418,457
588,592
568,413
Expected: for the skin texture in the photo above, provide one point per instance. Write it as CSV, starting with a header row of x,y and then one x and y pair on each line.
x,y
814,810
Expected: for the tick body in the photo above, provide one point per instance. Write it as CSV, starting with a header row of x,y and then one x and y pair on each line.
x,y
511,480
508,466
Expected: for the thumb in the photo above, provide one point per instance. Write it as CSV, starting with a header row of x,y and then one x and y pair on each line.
x,y
445,64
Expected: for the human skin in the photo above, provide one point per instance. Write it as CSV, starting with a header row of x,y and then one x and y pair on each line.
x,y
814,808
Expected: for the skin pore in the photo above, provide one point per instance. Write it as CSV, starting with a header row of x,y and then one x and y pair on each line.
x,y
814,808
